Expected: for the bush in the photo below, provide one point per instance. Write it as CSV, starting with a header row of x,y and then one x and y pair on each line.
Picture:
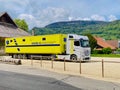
x,y
97,52
107,50
118,51
103,51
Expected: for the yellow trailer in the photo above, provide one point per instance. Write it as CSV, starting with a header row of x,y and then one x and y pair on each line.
x,y
43,44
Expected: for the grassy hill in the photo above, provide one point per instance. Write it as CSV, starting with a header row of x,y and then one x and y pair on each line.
x,y
107,30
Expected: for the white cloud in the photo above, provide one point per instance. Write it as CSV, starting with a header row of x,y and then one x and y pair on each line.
x,y
24,16
98,17
112,18
30,19
53,14
86,19
93,17
44,17
70,18
50,15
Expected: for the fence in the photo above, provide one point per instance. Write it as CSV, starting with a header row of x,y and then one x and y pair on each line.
x,y
93,67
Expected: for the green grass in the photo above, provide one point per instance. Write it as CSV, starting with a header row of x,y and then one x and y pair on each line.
x,y
106,55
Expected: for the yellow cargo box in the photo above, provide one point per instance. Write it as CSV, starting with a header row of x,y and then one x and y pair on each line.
x,y
43,44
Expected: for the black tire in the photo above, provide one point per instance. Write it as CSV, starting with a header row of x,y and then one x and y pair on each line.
x,y
53,57
24,56
28,56
15,56
73,58
11,55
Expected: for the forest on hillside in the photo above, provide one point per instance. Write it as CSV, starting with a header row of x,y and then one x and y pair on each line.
x,y
107,30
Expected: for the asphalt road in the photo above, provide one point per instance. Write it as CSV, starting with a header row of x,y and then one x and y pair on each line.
x,y
14,77
15,81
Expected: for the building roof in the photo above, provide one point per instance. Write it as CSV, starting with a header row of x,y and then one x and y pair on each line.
x,y
7,31
113,43
8,28
101,42
7,18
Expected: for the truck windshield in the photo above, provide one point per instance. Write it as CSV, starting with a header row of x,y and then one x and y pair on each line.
x,y
84,43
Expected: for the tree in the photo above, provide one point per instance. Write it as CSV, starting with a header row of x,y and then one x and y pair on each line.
x,y
21,24
2,41
92,41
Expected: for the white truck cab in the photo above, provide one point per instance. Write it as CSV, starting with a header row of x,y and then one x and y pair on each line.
x,y
77,48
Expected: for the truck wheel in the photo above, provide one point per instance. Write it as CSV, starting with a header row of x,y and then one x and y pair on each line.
x,y
28,56
73,57
24,56
19,56
53,56
15,56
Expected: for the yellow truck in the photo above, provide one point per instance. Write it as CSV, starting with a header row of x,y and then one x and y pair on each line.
x,y
69,46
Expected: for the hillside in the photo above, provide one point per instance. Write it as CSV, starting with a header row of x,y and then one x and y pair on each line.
x,y
107,30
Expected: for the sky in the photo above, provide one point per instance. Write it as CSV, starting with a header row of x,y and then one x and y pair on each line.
x,y
39,13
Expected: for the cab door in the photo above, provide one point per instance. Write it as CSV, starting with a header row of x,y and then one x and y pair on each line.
x,y
77,48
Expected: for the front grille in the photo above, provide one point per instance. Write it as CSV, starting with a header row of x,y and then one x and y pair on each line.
x,y
87,53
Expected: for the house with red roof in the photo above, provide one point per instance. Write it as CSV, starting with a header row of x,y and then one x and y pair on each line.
x,y
101,43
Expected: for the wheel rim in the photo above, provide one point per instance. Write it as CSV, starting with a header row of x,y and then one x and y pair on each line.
x,y
74,58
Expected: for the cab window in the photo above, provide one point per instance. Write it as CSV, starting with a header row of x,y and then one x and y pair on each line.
x,y
76,43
